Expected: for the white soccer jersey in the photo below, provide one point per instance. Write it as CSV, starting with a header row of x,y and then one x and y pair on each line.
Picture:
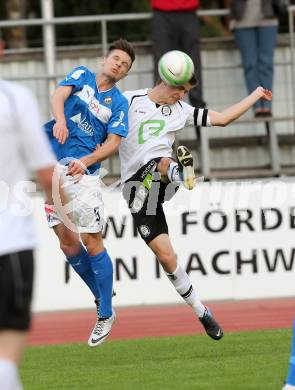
x,y
152,129
23,147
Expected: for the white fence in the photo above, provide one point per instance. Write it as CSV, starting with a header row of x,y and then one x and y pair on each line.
x,y
235,239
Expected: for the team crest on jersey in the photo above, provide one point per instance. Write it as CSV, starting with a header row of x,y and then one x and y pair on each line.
x,y
144,230
108,100
166,110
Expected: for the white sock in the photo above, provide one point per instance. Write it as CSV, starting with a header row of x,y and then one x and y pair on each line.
x,y
9,378
173,172
181,281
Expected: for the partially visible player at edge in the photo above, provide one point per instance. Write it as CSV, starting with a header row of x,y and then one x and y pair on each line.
x,y
23,149
155,115
89,110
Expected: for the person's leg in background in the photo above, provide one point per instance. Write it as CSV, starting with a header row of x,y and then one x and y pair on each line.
x,y
188,24
12,344
164,37
189,27
246,39
267,39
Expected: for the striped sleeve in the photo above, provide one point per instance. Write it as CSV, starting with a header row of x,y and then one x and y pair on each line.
x,y
201,117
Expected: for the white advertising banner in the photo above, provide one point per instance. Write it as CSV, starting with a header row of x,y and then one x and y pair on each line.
x,y
235,239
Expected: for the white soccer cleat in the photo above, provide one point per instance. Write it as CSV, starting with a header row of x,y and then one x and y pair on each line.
x,y
186,167
101,330
288,387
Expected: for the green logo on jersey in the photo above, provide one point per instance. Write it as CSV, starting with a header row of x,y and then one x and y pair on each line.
x,y
148,181
151,128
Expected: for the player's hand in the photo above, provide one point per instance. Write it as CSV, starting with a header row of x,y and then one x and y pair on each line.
x,y
60,132
76,169
265,94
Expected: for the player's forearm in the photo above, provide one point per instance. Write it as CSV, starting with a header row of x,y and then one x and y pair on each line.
x,y
101,154
57,104
234,112
59,97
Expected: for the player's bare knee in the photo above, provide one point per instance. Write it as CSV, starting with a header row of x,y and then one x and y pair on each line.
x,y
93,243
163,165
166,259
94,247
69,248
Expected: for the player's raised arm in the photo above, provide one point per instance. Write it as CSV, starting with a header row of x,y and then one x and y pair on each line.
x,y
234,112
60,130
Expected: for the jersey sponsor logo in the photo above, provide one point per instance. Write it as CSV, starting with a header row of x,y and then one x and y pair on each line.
x,y
98,110
83,124
166,110
148,181
94,107
148,169
119,122
139,111
150,128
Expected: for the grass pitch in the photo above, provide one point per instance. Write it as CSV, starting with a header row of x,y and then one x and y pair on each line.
x,y
240,361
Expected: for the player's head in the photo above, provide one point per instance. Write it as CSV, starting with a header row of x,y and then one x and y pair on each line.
x,y
118,60
173,93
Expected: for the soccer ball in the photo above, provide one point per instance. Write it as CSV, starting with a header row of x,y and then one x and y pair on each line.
x,y
175,68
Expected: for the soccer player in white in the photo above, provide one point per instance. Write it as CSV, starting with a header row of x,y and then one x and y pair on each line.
x,y
155,115
23,149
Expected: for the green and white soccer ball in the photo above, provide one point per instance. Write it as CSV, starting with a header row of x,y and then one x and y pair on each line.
x,y
175,68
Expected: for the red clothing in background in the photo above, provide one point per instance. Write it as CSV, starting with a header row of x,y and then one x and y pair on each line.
x,y
175,5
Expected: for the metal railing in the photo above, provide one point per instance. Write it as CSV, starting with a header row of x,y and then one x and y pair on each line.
x,y
48,21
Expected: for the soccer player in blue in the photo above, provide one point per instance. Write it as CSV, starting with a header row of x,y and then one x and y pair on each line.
x,y
89,111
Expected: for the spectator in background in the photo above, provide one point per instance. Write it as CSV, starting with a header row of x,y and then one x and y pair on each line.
x,y
255,26
175,26
23,147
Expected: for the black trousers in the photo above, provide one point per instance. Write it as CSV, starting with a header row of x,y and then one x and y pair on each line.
x,y
178,30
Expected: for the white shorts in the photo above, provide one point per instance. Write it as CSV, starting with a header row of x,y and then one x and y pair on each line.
x,y
85,200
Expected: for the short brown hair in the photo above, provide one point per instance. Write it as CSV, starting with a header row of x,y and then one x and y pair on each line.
x,y
122,44
192,81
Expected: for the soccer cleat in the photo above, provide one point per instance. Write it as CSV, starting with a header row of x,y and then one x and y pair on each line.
x,y
210,325
101,330
186,167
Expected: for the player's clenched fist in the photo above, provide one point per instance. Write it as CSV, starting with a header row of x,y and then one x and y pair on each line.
x,y
264,93
60,131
